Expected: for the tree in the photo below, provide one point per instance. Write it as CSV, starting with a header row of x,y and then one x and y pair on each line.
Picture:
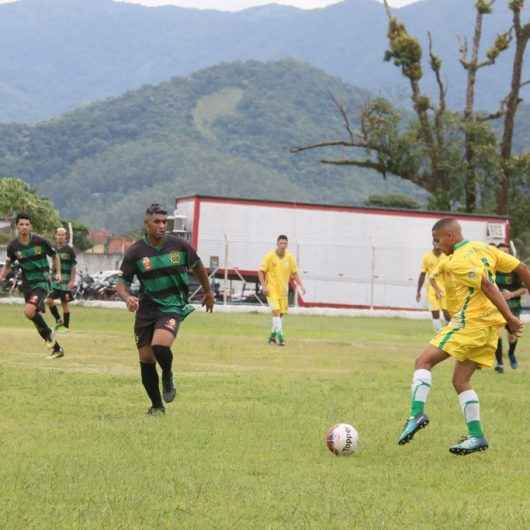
x,y
456,156
17,196
392,200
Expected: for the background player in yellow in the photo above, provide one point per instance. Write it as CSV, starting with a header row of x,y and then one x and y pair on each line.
x,y
471,336
278,267
435,301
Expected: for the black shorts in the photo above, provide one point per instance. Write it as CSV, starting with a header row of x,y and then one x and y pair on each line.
x,y
63,296
36,297
146,324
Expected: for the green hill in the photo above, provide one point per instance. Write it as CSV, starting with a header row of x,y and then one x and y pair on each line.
x,y
225,130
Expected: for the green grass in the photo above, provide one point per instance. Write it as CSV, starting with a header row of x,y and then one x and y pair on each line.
x,y
243,447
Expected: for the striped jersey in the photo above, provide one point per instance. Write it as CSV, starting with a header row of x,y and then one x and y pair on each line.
x,y
68,260
163,274
33,260
510,282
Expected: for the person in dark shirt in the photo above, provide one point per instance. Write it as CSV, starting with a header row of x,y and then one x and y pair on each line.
x,y
512,289
31,253
161,262
63,290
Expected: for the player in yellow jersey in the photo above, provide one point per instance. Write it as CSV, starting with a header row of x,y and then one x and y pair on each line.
x,y
435,298
471,336
277,269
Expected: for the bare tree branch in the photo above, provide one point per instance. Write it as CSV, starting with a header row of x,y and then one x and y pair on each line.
x,y
344,115
463,50
524,84
368,164
338,143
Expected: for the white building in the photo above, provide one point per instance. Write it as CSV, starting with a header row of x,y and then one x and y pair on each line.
x,y
349,257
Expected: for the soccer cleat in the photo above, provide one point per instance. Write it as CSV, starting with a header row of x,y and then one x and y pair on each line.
x,y
57,353
156,411
280,341
468,445
513,362
168,388
412,426
499,369
272,338
60,328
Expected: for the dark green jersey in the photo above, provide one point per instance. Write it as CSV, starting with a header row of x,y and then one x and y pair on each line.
x,y
33,260
510,282
68,260
163,274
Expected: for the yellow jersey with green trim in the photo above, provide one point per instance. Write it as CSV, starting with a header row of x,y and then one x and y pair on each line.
x,y
463,271
278,271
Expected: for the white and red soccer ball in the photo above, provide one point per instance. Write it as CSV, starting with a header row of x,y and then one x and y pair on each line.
x,y
342,439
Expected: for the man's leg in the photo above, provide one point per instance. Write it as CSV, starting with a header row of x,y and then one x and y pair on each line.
x,y
31,313
421,386
161,345
447,316
470,406
53,310
512,339
66,312
499,367
436,324
276,322
150,380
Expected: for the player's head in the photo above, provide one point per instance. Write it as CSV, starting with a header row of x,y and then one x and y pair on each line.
x,y
504,247
446,233
61,236
155,221
23,223
281,243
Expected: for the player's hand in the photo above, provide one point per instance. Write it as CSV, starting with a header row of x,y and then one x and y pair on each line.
x,y
132,304
71,286
208,301
439,295
301,290
515,326
58,277
265,291
507,295
418,296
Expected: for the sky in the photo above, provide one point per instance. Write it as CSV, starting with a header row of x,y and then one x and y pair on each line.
x,y
235,5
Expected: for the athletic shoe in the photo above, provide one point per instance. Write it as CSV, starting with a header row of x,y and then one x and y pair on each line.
x,y
280,341
156,411
412,426
61,328
56,353
513,362
468,445
272,338
168,388
499,369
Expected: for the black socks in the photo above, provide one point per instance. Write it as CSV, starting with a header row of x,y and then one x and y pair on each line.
x,y
498,353
55,312
164,357
44,331
66,320
150,382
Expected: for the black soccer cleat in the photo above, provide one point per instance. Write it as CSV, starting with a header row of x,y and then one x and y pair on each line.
x,y
168,388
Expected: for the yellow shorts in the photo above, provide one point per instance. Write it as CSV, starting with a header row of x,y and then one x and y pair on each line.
x,y
278,303
435,304
477,344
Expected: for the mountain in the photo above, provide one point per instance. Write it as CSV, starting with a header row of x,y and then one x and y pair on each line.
x,y
225,130
59,54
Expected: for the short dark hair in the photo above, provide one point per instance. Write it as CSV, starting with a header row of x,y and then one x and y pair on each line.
x,y
505,245
22,215
154,209
282,237
443,223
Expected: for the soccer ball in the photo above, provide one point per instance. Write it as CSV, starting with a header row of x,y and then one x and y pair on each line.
x,y
342,439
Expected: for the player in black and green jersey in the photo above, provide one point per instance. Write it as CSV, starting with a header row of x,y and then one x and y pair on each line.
x,y
31,252
512,289
63,290
161,262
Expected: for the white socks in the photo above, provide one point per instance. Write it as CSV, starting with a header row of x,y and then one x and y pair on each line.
x,y
277,325
470,405
437,324
421,386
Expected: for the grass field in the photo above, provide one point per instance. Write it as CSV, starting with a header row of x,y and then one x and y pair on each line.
x,y
243,447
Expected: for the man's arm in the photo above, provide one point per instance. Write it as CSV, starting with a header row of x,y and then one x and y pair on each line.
x,y
437,291
298,282
123,292
495,296
263,282
202,275
6,269
57,267
524,274
73,273
421,280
